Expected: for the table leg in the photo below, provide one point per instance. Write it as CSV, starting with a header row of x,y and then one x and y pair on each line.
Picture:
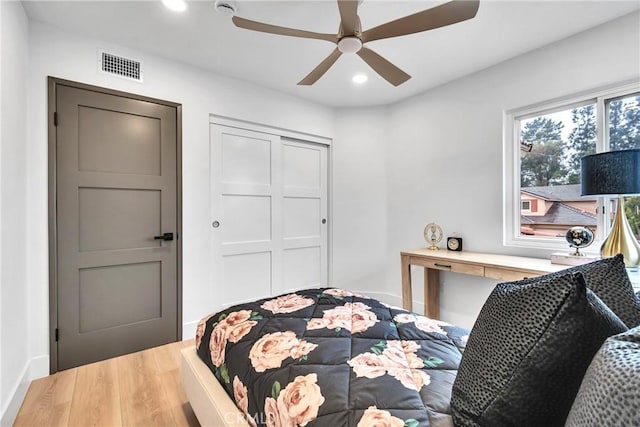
x,y
432,293
406,282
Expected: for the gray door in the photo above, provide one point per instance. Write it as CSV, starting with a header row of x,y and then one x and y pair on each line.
x,y
116,197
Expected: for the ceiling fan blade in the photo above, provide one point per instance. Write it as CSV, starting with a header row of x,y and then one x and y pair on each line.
x,y
283,31
436,17
322,68
349,21
386,69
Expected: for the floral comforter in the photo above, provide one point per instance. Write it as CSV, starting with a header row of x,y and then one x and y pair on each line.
x,y
329,357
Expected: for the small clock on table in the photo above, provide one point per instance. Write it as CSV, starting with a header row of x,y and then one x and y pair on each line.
x,y
454,243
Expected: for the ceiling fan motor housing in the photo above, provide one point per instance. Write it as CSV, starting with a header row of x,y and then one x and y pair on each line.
x,y
349,44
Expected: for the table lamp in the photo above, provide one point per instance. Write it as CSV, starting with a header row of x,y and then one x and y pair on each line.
x,y
615,172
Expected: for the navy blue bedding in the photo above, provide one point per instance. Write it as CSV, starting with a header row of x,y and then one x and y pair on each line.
x,y
329,357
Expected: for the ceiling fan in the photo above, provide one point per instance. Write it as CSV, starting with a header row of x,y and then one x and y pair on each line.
x,y
351,38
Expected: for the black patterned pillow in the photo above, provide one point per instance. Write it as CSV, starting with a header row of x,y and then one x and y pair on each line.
x,y
528,351
610,391
609,280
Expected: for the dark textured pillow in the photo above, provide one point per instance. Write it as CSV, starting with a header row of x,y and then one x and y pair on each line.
x,y
528,351
610,391
609,280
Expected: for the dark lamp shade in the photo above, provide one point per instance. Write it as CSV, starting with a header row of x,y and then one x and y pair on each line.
x,y
613,172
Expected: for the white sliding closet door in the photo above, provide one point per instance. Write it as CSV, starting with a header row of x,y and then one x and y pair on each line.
x,y
304,215
269,200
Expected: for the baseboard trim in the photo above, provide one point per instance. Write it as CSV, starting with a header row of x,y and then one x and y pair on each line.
x,y
17,396
37,367
387,298
394,300
189,330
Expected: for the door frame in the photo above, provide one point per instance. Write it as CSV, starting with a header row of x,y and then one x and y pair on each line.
x,y
217,119
52,84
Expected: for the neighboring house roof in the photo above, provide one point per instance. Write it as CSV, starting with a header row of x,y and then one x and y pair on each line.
x,y
558,193
560,213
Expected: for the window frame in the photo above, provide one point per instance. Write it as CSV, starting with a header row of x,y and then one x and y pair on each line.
x,y
511,162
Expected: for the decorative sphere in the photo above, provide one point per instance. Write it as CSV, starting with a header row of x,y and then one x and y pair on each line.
x,y
579,237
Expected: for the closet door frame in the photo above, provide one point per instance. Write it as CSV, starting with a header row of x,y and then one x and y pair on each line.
x,y
290,135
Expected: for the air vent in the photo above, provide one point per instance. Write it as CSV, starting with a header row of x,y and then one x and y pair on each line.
x,y
121,66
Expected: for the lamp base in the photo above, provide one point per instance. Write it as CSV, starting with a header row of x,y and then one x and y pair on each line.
x,y
621,239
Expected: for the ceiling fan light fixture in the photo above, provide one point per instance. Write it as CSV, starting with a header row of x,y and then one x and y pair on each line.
x,y
359,78
350,37
175,5
349,45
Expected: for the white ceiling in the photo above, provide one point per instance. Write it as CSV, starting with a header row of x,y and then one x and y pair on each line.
x,y
203,37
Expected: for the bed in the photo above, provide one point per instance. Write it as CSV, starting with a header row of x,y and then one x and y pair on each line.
x,y
323,357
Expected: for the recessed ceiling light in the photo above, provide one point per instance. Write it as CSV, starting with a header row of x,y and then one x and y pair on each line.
x,y
359,78
175,5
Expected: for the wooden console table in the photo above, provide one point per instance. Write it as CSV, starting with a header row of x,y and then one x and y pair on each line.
x,y
500,267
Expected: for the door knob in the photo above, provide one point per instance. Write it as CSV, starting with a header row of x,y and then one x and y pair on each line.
x,y
215,224
166,237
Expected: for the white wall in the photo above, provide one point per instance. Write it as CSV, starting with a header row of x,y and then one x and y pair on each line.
x,y
59,54
3,36
360,199
445,149
14,307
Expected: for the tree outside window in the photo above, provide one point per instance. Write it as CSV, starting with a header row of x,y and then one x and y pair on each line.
x,y
550,165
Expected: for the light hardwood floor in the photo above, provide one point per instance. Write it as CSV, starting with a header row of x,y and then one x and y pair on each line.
x,y
139,389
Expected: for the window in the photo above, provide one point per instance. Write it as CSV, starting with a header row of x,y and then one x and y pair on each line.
x,y
543,146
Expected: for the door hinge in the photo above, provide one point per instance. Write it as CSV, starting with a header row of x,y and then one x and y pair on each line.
x,y
55,118
57,334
